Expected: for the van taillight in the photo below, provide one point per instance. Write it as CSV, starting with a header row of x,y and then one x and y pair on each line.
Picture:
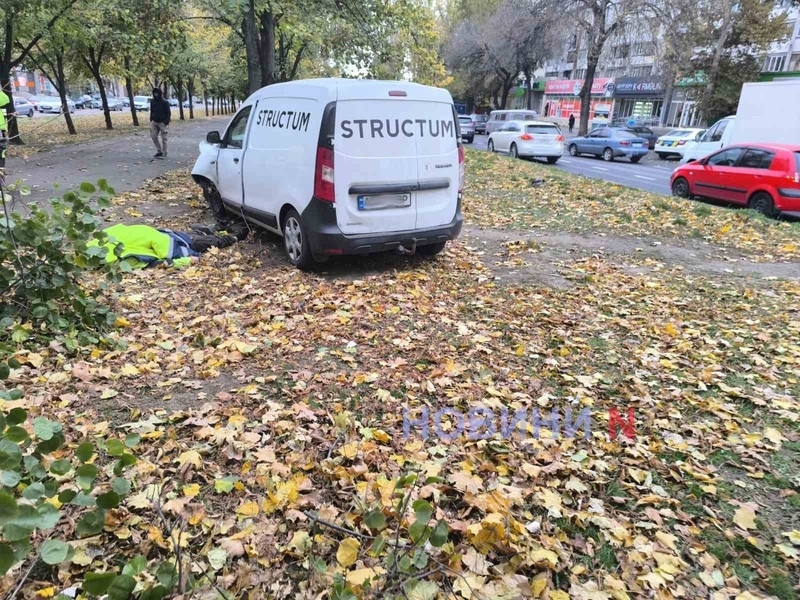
x,y
323,178
462,171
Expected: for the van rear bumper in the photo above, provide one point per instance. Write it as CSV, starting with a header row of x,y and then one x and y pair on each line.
x,y
326,239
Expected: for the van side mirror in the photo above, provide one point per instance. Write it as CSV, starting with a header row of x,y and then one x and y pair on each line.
x,y
213,137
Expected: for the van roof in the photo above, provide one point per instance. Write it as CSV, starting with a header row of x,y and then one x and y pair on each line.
x,y
331,88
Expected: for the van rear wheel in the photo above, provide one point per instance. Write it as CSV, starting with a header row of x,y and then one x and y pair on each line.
x,y
295,240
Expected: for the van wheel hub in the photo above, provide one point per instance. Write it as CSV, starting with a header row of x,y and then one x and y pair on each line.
x,y
293,239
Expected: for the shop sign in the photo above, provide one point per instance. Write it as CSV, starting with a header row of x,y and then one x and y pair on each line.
x,y
601,86
639,86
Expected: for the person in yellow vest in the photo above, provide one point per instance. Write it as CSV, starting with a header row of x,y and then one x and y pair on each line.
x,y
144,246
4,106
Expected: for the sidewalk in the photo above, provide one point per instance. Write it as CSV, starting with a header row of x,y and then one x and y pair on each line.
x,y
124,161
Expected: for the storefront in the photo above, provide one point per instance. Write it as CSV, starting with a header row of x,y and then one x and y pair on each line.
x,y
561,98
639,97
683,109
523,97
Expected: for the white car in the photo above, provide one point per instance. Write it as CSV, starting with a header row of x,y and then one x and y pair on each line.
x,y
677,141
53,105
340,166
141,103
526,139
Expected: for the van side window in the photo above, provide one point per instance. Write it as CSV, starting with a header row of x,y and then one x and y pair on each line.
x,y
719,130
501,117
234,137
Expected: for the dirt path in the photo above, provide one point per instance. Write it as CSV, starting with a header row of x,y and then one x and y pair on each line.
x,y
125,161
541,256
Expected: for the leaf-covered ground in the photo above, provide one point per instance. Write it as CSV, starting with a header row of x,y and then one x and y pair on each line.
x,y
45,132
510,198
268,397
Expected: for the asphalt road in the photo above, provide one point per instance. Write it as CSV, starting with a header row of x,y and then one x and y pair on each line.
x,y
649,175
126,161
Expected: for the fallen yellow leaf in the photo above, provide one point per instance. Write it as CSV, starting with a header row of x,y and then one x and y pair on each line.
x,y
347,553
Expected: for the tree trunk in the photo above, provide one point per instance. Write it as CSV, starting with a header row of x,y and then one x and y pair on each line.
x,y
178,85
251,47
507,82
719,47
93,62
233,103
266,42
213,107
205,100
126,61
62,90
190,91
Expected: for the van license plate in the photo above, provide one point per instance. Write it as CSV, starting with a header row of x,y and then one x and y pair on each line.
x,y
384,201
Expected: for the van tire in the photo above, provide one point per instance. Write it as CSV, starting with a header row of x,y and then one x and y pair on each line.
x,y
431,249
214,200
295,240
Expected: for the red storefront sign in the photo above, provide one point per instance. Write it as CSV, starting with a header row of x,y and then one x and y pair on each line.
x,y
572,87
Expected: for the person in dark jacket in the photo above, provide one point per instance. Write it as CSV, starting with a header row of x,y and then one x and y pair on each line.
x,y
571,122
160,114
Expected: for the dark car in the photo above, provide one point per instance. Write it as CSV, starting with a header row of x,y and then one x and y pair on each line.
x,y
610,143
480,122
644,132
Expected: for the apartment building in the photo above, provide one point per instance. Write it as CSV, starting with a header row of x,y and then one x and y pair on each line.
x,y
629,67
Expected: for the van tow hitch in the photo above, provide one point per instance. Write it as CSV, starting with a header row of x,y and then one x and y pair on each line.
x,y
408,251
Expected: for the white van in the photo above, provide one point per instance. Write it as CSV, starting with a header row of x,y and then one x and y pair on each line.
x,y
717,136
499,117
341,166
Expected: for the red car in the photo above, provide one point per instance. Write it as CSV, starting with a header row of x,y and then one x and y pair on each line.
x,y
764,177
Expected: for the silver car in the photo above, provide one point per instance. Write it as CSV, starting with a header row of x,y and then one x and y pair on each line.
x,y
52,104
23,107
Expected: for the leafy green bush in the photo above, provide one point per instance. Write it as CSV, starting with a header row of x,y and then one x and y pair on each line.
x,y
43,256
37,490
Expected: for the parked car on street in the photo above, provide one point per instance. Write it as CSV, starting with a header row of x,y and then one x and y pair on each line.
x,y
763,177
53,105
498,117
526,139
172,101
141,103
126,102
675,142
480,122
23,107
644,132
610,143
467,128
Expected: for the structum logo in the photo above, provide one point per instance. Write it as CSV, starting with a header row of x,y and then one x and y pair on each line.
x,y
482,422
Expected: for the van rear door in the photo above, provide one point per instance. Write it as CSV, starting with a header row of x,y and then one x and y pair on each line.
x,y
389,139
438,168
